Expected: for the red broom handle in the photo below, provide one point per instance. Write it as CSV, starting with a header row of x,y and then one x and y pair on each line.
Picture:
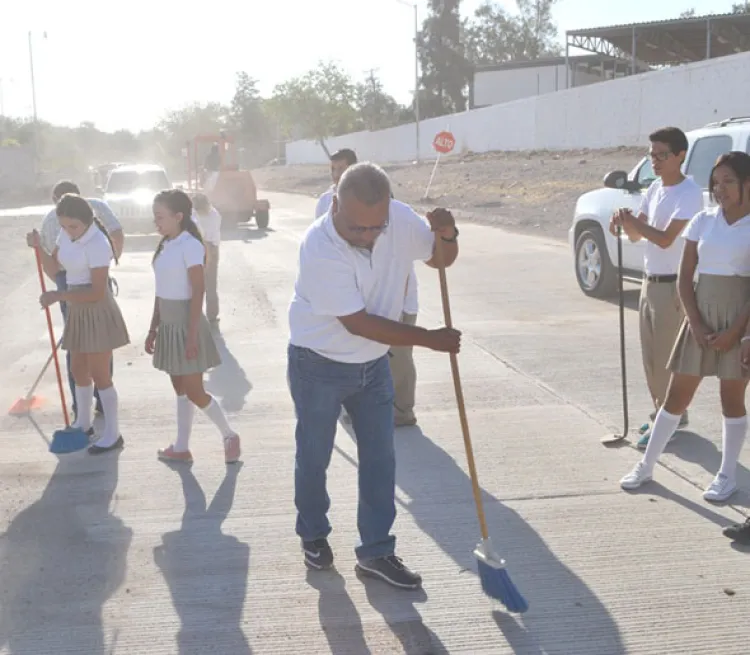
x,y
52,341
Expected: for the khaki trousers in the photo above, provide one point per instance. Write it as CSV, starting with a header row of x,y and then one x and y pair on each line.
x,y
212,281
660,317
404,375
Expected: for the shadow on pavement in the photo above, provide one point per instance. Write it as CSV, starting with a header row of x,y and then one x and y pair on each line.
x,y
61,559
206,570
228,382
439,488
632,297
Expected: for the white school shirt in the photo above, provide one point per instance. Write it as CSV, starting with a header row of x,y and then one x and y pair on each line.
x,y
723,249
336,279
209,225
90,250
662,204
172,264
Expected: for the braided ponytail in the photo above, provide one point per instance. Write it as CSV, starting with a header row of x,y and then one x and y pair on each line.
x,y
104,229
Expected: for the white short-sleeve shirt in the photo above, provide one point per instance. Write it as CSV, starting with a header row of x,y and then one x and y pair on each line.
x,y
90,250
172,264
336,279
324,202
210,225
723,249
663,204
50,228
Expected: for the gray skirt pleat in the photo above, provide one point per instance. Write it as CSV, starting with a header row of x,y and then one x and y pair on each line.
x,y
720,299
171,337
94,327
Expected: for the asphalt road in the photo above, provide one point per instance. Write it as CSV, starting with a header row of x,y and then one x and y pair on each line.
x,y
121,554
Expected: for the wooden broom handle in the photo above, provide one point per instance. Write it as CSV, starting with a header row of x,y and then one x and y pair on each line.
x,y
459,391
51,331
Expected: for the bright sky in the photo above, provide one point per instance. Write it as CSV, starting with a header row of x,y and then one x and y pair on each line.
x,y
150,56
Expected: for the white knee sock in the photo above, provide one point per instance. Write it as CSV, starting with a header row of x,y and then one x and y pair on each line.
x,y
84,404
185,414
732,440
111,422
217,416
663,429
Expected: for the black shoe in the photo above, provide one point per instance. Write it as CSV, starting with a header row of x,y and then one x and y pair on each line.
x,y
99,450
739,532
392,570
318,554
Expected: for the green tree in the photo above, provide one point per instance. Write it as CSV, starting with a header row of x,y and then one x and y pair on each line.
x,y
378,110
317,105
446,71
741,7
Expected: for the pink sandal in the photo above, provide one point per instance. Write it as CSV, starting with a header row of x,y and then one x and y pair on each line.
x,y
169,454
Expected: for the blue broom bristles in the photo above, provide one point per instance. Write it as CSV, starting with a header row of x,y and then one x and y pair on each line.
x,y
496,582
68,440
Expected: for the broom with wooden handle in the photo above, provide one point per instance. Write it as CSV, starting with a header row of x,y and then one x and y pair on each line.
x,y
494,576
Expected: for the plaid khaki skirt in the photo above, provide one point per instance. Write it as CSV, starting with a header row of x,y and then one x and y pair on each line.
x,y
94,327
171,337
720,299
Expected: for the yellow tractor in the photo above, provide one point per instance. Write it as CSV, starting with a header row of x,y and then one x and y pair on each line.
x,y
218,175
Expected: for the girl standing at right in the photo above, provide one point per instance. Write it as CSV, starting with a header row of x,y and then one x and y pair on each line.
x,y
180,337
717,247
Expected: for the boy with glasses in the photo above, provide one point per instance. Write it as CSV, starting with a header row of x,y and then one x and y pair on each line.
x,y
670,202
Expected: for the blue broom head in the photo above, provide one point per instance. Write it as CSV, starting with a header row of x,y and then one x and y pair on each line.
x,y
495,579
68,440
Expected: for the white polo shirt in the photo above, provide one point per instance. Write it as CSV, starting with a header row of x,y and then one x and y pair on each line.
x,y
325,201
90,250
172,264
336,279
50,228
662,204
723,249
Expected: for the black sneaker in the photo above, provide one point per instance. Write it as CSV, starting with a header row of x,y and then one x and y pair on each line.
x,y
318,554
739,532
392,570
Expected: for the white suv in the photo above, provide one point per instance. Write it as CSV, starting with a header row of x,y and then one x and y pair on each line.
x,y
595,249
130,192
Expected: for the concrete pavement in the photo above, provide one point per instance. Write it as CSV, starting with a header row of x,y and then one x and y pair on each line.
x,y
121,554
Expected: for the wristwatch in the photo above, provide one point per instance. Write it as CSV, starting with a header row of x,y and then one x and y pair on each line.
x,y
455,236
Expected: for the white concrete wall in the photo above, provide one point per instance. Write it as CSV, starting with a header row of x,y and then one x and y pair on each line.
x,y
619,112
496,87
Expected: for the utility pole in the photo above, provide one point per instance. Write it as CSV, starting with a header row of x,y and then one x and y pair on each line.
x,y
413,5
33,109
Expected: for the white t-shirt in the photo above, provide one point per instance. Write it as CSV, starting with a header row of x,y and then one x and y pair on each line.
x,y
324,202
172,264
77,258
662,204
723,249
336,279
209,225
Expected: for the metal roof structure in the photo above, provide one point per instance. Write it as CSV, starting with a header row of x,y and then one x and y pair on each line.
x,y
668,42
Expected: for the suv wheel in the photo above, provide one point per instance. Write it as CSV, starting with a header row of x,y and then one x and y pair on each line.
x,y
595,273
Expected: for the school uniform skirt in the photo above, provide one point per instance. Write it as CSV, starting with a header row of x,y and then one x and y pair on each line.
x,y
171,337
720,299
94,327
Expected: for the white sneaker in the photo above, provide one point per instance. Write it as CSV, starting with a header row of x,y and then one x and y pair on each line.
x,y
638,476
720,489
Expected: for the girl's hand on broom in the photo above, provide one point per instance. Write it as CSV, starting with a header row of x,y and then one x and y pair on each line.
x,y
49,298
32,239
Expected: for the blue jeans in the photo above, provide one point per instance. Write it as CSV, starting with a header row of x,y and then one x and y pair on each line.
x,y
319,387
61,279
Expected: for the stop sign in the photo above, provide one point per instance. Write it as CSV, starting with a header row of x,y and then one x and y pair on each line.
x,y
444,142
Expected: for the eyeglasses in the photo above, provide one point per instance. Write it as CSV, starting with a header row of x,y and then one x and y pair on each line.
x,y
660,156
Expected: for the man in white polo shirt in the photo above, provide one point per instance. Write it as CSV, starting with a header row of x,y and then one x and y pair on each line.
x,y
669,204
354,262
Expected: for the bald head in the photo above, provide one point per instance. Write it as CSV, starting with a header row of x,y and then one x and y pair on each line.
x,y
366,182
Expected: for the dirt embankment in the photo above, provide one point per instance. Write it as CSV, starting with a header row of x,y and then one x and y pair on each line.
x,y
531,192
